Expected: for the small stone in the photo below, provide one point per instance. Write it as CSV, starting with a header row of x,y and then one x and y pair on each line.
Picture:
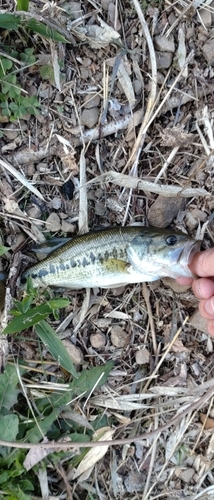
x,y
164,43
199,323
100,208
73,9
206,17
164,59
91,101
11,131
119,337
74,352
208,51
67,227
56,203
89,117
164,210
98,340
53,223
142,356
34,211
185,474
84,73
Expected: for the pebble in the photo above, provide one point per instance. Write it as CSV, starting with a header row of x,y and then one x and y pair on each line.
x,y
56,203
54,223
74,352
164,43
91,101
89,117
73,9
164,210
206,17
67,227
11,131
98,340
164,59
142,356
119,337
208,51
34,211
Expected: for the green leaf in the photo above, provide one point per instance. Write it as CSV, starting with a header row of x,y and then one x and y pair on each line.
x,y
22,5
55,346
6,64
88,378
35,434
9,22
8,383
9,426
44,30
3,249
27,319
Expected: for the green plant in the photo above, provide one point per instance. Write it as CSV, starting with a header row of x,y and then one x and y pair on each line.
x,y
49,414
13,103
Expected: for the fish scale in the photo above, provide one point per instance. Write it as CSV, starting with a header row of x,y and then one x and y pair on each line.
x,y
115,256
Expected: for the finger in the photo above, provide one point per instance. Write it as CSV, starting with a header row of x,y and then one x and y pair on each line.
x,y
210,327
184,281
206,308
202,263
203,288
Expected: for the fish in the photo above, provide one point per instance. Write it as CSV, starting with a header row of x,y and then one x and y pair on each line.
x,y
116,256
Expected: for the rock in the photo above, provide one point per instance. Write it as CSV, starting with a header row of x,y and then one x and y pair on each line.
x,y
73,9
56,203
91,101
142,356
135,481
208,51
164,210
67,227
185,474
198,322
34,211
53,223
164,43
74,352
175,286
98,340
164,59
11,131
206,17
119,337
89,117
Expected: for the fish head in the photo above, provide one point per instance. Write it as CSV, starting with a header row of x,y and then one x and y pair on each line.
x,y
158,253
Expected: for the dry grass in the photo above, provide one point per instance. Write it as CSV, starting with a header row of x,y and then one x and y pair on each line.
x,y
161,387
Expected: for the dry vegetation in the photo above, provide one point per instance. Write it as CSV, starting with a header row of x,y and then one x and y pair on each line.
x,y
123,135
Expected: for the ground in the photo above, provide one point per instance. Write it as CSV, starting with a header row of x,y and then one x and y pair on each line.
x,y
121,133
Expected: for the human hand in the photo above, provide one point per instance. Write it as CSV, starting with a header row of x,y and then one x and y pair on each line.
x,y
202,265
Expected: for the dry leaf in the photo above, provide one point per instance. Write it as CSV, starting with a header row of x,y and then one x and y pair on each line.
x,y
95,454
209,422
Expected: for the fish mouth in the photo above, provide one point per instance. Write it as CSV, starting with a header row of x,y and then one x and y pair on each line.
x,y
186,255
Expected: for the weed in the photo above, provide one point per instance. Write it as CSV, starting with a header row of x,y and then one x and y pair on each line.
x,y
13,103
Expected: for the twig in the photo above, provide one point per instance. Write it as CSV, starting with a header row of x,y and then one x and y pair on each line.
x,y
167,191
151,100
115,442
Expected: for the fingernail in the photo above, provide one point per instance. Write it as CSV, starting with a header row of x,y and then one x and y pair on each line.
x,y
209,306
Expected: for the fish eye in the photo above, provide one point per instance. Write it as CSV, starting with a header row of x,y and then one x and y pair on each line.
x,y
171,240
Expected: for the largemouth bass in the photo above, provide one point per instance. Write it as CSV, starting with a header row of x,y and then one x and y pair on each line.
x,y
116,256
